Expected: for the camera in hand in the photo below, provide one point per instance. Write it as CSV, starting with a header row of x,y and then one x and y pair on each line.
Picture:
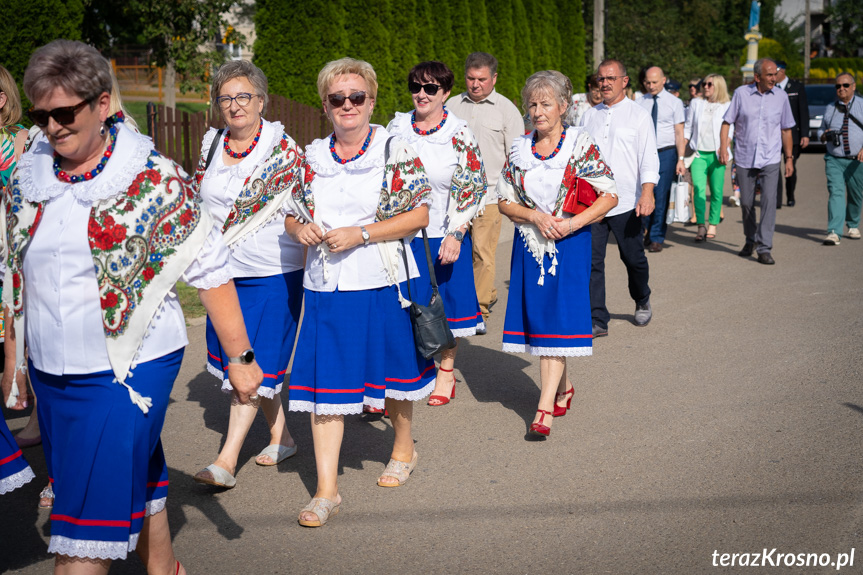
x,y
833,137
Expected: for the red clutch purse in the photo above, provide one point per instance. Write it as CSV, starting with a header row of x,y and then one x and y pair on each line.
x,y
579,197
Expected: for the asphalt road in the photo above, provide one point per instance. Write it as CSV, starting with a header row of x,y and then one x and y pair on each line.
x,y
730,424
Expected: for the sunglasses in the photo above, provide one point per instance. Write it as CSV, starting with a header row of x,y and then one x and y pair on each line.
x,y
338,100
843,86
63,116
430,89
708,85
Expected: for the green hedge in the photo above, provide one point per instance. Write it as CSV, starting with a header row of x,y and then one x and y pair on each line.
x,y
295,40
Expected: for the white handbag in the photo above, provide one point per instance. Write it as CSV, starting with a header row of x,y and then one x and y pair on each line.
x,y
678,202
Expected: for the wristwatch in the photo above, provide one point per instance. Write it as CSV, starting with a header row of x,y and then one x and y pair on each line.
x,y
366,237
457,235
245,358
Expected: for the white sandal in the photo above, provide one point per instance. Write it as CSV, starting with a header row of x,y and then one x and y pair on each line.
x,y
277,453
398,470
323,508
220,477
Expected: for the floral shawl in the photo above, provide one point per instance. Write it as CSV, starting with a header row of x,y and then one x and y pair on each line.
x,y
265,189
145,230
581,158
469,184
404,187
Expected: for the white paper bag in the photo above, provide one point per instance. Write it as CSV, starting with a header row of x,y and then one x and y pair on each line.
x,y
678,202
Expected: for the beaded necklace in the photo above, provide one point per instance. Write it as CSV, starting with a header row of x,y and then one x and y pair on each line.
x,y
61,175
430,131
251,147
556,149
360,153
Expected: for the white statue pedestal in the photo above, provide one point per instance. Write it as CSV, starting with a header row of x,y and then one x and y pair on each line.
x,y
748,69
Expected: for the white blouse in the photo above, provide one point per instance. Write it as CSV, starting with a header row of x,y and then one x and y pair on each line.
x,y
439,157
63,309
348,195
706,141
269,250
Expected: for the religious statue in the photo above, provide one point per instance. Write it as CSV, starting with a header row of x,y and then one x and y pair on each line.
x,y
754,15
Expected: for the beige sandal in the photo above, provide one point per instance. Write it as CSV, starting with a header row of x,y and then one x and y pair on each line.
x,y
398,470
321,507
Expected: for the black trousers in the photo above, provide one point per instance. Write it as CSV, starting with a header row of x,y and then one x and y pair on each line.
x,y
626,228
790,183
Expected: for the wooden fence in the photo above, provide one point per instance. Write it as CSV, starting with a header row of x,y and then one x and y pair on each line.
x,y
178,135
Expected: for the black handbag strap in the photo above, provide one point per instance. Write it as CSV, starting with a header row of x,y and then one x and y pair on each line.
x,y
213,147
404,246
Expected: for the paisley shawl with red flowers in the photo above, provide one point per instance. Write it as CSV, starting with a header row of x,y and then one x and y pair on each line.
x,y
581,158
264,190
141,238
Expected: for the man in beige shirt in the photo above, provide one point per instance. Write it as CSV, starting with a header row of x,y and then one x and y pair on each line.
x,y
496,122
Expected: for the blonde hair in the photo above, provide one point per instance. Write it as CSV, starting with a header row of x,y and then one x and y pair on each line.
x,y
720,88
11,111
343,67
116,105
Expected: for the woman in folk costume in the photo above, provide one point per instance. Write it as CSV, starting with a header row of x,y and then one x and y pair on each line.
x,y
102,227
450,154
548,310
244,176
363,192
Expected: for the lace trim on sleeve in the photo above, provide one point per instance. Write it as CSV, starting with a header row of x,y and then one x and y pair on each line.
x,y
16,480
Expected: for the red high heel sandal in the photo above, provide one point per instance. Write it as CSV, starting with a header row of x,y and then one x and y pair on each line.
x,y
442,399
538,428
567,395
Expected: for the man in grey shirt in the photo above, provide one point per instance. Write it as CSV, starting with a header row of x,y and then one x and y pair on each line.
x,y
496,122
842,129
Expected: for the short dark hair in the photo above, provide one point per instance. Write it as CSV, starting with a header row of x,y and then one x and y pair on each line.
x,y
481,60
591,82
849,74
432,70
610,61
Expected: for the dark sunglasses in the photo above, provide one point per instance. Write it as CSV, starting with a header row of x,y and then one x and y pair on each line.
x,y
63,116
338,100
708,85
843,86
430,89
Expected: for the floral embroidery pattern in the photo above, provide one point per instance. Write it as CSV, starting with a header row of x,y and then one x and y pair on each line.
x,y
18,235
280,174
469,183
408,188
303,194
131,237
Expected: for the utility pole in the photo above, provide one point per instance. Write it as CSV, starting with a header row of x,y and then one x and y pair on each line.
x,y
807,41
599,32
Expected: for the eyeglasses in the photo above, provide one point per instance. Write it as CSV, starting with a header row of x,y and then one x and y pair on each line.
x,y
609,79
63,116
843,86
707,85
242,99
338,100
430,89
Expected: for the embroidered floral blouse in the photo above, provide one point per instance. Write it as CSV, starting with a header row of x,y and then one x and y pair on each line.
x,y
266,250
455,170
351,194
65,330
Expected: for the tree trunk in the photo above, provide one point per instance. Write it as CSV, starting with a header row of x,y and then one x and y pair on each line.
x,y
170,86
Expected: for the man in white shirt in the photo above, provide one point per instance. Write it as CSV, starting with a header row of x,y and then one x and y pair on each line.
x,y
625,136
667,117
496,122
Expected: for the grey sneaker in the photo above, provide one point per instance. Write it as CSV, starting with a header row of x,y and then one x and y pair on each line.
x,y
643,313
832,239
854,233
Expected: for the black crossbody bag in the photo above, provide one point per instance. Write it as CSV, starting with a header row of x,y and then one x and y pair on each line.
x,y
430,326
